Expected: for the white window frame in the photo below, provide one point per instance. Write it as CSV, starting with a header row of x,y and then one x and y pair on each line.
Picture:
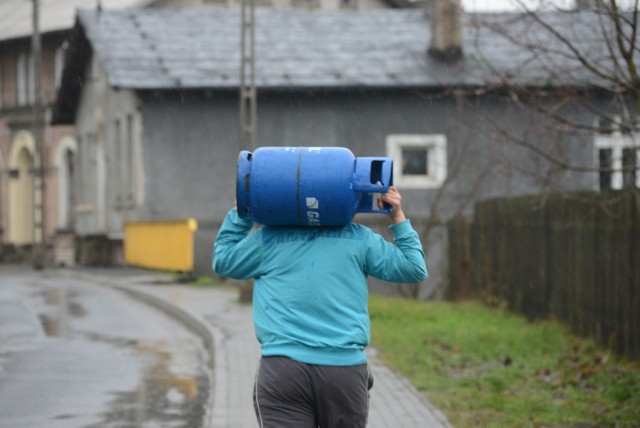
x,y
66,180
617,142
58,64
437,159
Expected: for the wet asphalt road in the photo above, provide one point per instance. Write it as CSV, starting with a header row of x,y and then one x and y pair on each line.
x,y
75,354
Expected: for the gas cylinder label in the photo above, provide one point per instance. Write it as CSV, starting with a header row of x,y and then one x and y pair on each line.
x,y
313,204
313,217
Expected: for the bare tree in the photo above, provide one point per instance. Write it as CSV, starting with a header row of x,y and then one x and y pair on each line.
x,y
573,72
462,185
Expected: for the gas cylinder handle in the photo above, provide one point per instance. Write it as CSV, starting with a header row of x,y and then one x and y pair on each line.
x,y
372,176
243,201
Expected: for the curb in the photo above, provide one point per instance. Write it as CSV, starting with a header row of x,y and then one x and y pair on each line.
x,y
212,337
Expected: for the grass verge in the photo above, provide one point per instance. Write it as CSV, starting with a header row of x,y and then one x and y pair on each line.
x,y
488,367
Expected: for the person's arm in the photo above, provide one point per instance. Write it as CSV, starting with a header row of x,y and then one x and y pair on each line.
x,y
237,254
403,262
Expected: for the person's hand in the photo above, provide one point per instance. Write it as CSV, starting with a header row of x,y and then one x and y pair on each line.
x,y
393,198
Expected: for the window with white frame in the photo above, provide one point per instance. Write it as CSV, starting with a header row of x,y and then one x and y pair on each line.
x,y
419,161
617,155
58,64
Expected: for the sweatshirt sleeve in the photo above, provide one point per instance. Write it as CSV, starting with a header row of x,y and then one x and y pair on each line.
x,y
403,262
237,253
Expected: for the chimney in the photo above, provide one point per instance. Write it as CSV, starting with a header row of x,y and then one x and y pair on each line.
x,y
583,4
446,30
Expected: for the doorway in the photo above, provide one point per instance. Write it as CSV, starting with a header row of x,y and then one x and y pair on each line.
x,y
21,197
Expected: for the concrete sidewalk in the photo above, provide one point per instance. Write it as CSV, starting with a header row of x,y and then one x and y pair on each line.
x,y
227,327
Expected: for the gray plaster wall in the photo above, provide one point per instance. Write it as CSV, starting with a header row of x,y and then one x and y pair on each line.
x,y
190,146
110,173
192,139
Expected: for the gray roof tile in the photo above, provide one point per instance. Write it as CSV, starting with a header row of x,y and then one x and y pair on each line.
x,y
156,49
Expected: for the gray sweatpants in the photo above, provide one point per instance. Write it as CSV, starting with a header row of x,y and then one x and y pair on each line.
x,y
288,393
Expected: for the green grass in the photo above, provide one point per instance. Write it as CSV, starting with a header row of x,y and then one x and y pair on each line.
x,y
488,367
203,281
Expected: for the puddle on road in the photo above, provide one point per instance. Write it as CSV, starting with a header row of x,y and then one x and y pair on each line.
x,y
162,397
166,396
60,308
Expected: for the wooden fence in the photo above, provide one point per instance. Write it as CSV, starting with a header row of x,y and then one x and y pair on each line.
x,y
574,257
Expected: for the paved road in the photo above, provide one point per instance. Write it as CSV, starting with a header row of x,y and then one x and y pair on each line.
x,y
75,354
395,403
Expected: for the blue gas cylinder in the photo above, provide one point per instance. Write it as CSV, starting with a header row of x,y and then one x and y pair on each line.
x,y
309,186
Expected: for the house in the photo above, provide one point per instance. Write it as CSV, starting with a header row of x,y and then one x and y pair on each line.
x,y
22,220
33,210
156,112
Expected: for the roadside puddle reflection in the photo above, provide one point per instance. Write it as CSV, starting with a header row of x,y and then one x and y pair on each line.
x,y
60,307
173,390
164,397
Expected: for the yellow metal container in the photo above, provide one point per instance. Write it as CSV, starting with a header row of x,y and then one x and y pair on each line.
x,y
166,245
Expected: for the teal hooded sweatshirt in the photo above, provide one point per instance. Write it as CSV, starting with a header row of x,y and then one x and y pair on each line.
x,y
310,296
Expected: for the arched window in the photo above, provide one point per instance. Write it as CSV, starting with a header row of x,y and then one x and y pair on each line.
x,y
65,165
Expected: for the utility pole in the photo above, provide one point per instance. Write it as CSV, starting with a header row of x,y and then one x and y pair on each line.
x,y
248,101
248,111
39,170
